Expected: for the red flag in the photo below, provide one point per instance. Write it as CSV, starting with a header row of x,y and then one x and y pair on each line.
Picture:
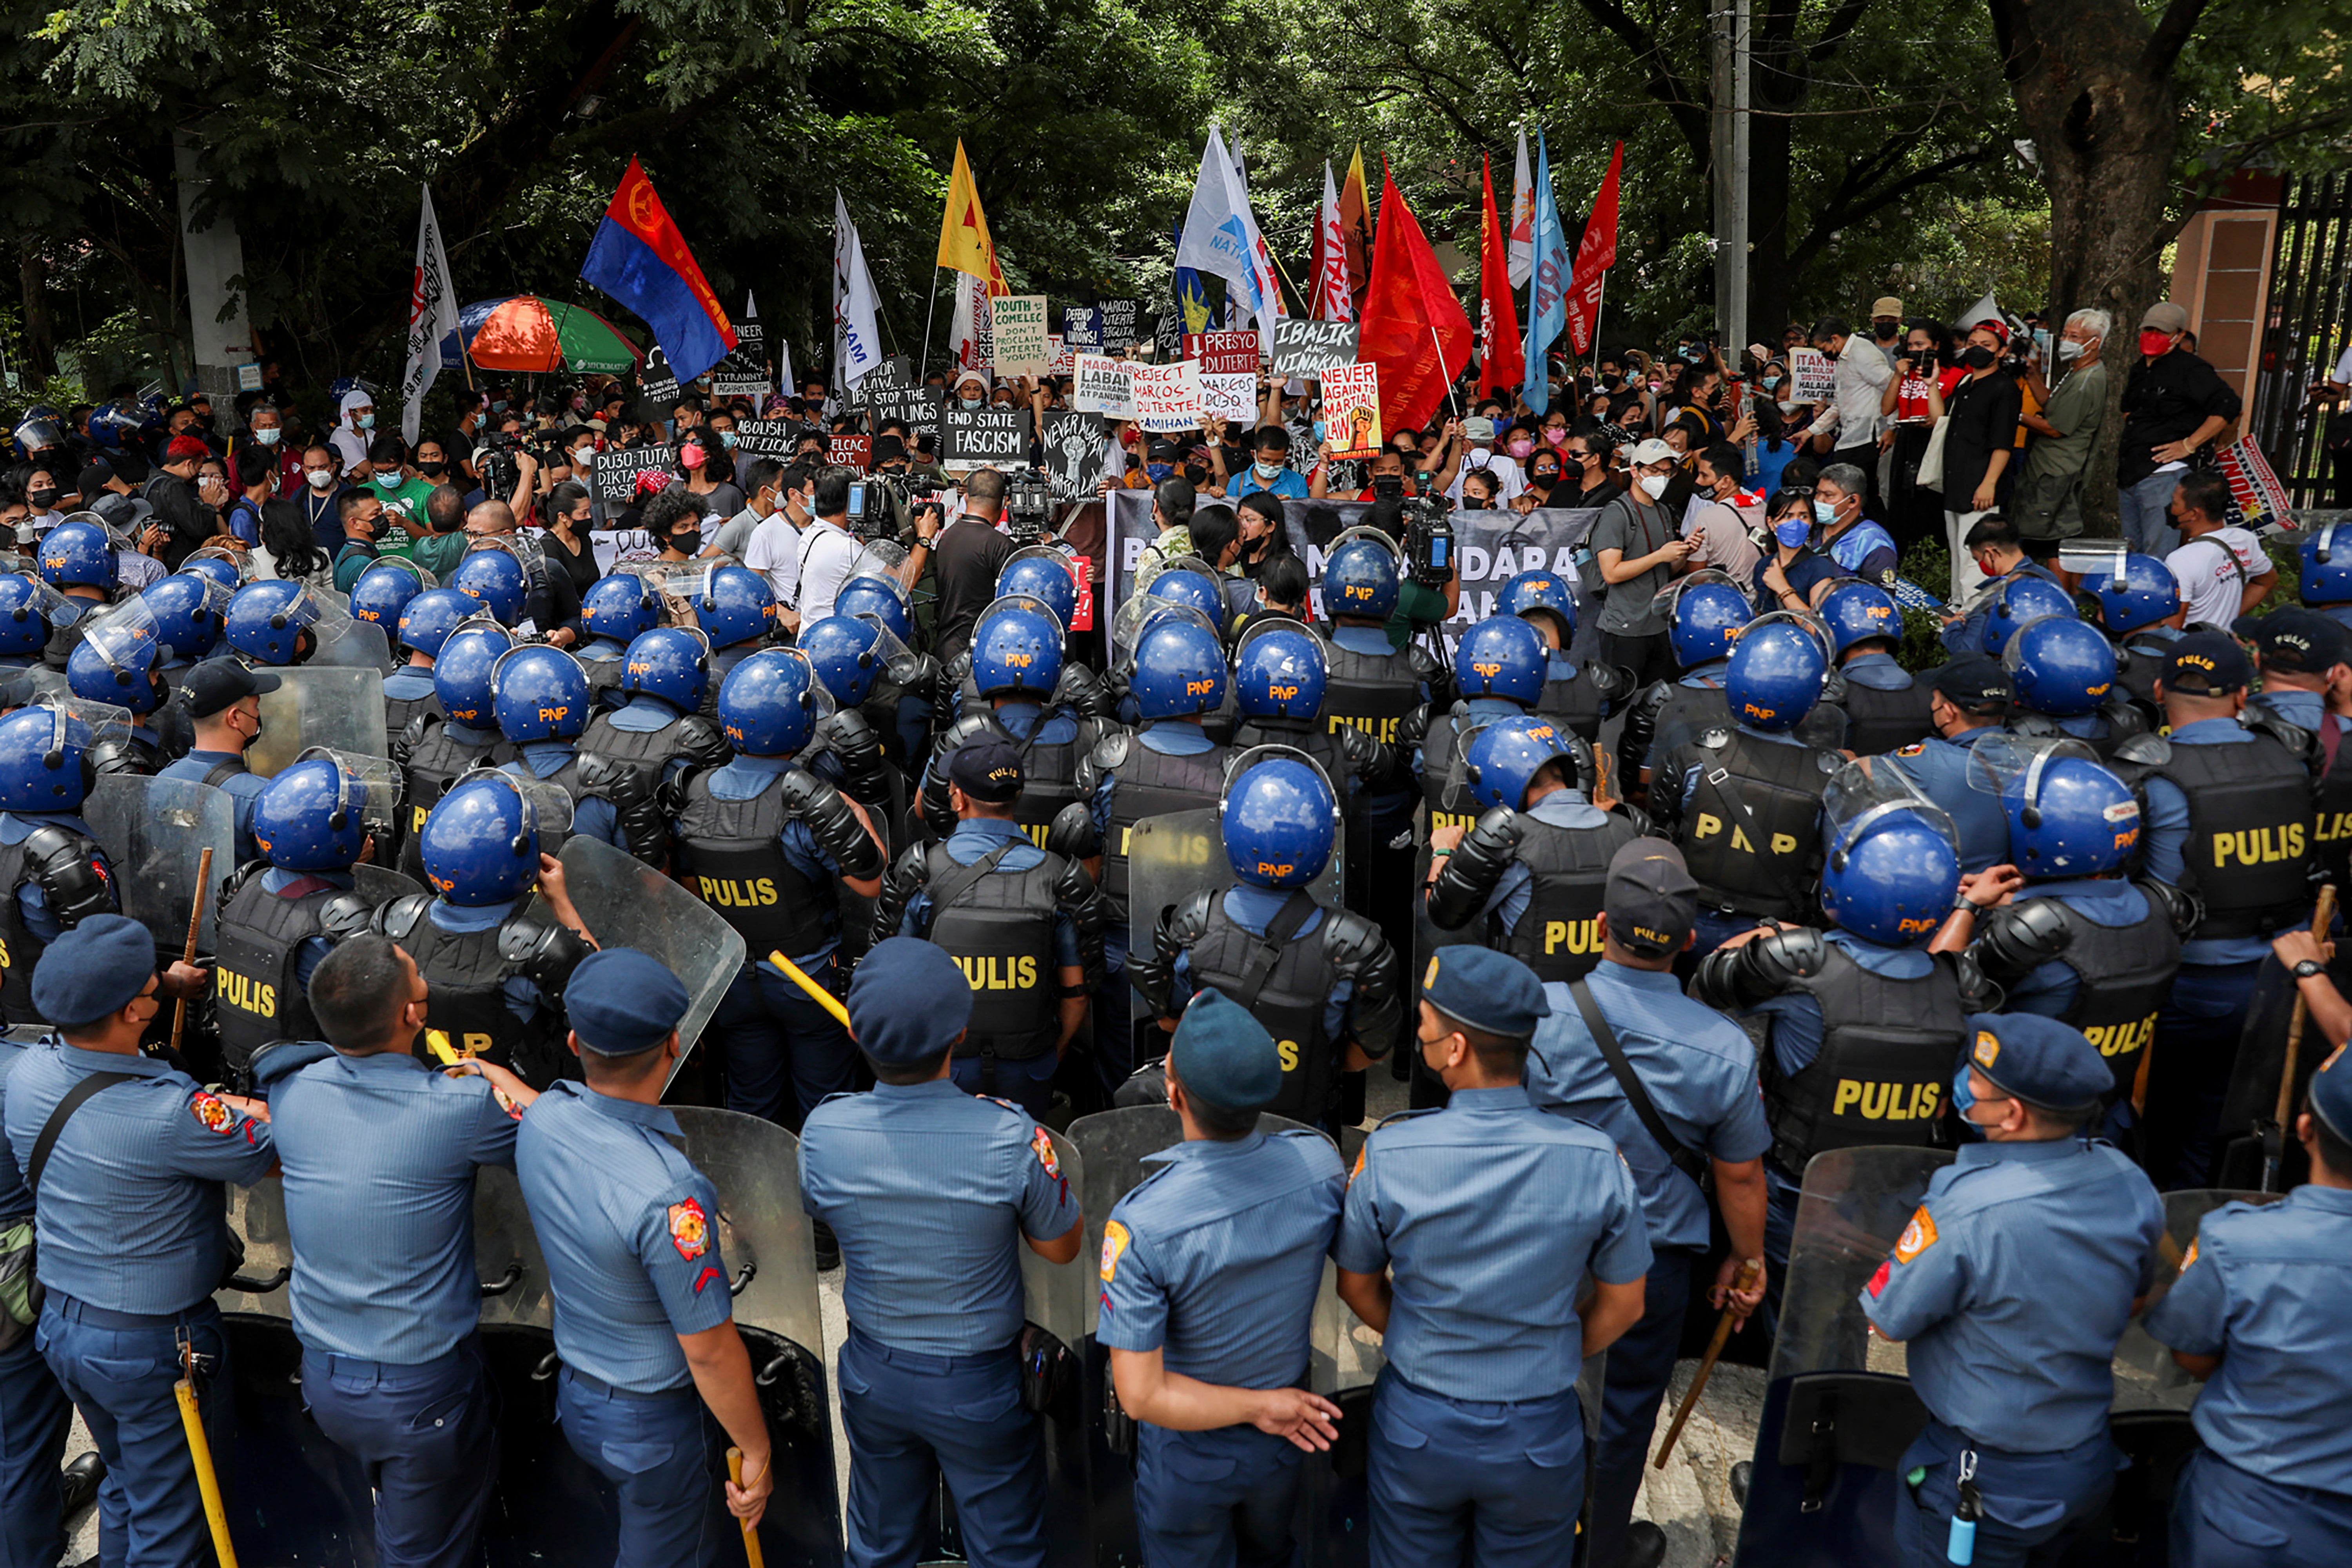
x,y
1413,327
1502,361
1595,254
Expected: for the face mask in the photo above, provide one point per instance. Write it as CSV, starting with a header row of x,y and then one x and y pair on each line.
x,y
1521,447
1792,531
1318,430
1825,514
2070,350
967,403
584,458
727,439
367,421
1557,435
498,406
267,437
580,405
686,541
43,498
1654,485
2154,343
1791,407
1543,476
1771,382
691,454
320,477
1159,471
433,470
1885,330
1978,357
1265,472
389,479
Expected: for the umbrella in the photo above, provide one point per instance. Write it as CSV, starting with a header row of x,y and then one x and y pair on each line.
x,y
525,332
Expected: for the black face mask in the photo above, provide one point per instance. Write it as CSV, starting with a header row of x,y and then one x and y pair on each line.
x,y
1978,357
433,470
1885,330
44,499
686,541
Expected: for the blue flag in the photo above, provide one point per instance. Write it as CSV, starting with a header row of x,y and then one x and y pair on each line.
x,y
1192,294
1546,284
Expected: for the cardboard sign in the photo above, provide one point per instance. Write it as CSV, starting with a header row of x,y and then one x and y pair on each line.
x,y
1815,374
750,332
918,408
1063,355
1224,353
1168,397
1168,333
1351,410
1119,319
776,438
1232,397
1078,449
617,469
851,451
1022,349
1082,328
985,438
741,375
1310,348
656,385
1104,386
1082,617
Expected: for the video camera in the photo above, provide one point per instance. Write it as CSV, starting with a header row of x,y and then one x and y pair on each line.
x,y
1028,506
497,463
1428,541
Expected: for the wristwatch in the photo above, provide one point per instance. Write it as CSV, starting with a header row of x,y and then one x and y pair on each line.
x,y
2308,969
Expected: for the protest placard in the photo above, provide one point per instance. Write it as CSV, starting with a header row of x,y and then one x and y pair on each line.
x,y
918,408
1168,397
1310,348
892,374
744,372
1168,334
1233,397
1224,353
776,438
1815,374
851,451
657,386
1102,385
1078,449
1119,319
1020,324
1082,328
617,469
1351,409
1063,355
985,438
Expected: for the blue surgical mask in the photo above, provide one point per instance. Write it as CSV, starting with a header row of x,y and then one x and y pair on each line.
x,y
1962,1095
1159,471
1792,531
727,438
1771,382
1826,513
1318,430
1265,472
367,421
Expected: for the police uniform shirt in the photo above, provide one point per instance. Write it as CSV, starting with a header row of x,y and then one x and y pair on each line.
x,y
379,1154
743,778
2263,1287
2164,844
1253,908
1563,808
242,787
410,682
1877,671
1699,1067
132,1216
1216,1257
1940,768
522,997
1796,1017
629,1230
2339,613
15,1197
1491,1216
930,1190
2050,988
32,900
974,839
2306,710
2011,1350
593,816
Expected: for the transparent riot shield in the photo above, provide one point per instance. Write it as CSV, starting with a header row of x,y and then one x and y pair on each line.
x,y
1839,1410
155,831
627,904
339,706
1171,857
765,1237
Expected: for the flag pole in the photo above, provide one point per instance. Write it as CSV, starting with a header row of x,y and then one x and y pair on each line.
x,y
1600,302
923,364
1439,349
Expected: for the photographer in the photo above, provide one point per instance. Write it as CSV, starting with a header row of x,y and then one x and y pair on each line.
x,y
830,546
970,553
1425,599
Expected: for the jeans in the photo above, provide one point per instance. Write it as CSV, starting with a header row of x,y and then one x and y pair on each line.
x,y
2143,508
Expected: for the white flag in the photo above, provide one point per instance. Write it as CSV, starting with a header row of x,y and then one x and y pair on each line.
x,y
1331,301
1522,236
969,337
432,316
857,347
1221,236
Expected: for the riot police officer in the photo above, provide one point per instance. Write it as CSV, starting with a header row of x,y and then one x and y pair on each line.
x,y
1499,671
1281,673
931,1374
2064,671
737,611
1886,705
274,622
494,576
616,610
852,657
118,662
420,630
27,603
2138,607
1375,686
659,728
379,1154
767,844
77,558
1674,1082
631,1233
1968,701
223,699
497,969
2306,668
539,697
380,592
436,750
1210,1271
1709,611
2326,583
55,875
130,1221
190,612
1323,979
1501,1221
2255,1314
2025,1257
1024,925
1016,658
1578,695
1744,801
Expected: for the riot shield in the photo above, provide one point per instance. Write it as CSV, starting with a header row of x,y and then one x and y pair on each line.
x,y
340,706
1171,857
380,884
1838,1409
627,904
155,831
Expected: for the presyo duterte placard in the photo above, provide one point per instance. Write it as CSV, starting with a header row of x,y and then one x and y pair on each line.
x,y
1224,353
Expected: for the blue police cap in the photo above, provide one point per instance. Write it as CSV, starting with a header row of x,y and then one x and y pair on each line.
x,y
2331,1094
1224,1055
907,1003
2041,1061
987,770
621,1001
2207,664
92,970
216,684
1485,989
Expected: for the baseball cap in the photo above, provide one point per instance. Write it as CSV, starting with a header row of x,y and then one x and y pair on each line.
x,y
2207,664
1650,898
2294,640
2164,316
1886,305
1654,451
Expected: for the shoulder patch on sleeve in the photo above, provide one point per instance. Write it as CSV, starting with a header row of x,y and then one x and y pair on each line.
x,y
212,1113
1001,1099
1358,1168
689,1229
1917,1238
1115,1240
1042,1142
1916,749
2188,1257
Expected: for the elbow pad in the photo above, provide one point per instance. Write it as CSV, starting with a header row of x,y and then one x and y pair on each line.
x,y
852,739
345,917
1359,954
2186,910
1474,868
1076,891
543,953
2014,941
825,811
1153,974
1736,978
67,867
1072,833
640,808
1083,692
700,741
905,879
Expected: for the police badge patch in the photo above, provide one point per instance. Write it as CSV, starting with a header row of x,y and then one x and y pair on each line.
x,y
213,1113
689,1229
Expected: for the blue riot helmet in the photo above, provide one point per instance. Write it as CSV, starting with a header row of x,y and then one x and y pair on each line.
x,y
1279,818
426,620
537,693
191,610
669,662
1503,759
114,425
2061,666
383,590
1538,596
1778,668
846,654
2069,816
1179,669
29,608
617,608
879,597
495,579
461,671
2143,592
1017,649
1857,612
1501,656
38,431
1359,576
78,553
480,842
1891,881
2328,566
1704,611
270,621
1042,573
44,759
220,565
736,605
1178,586
770,704
316,815
1280,671
2018,600
118,660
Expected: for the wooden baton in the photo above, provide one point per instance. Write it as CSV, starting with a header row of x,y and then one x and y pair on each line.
x,y
195,918
1744,1280
2274,1142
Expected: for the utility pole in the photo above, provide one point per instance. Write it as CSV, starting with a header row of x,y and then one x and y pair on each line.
x,y
1729,145
216,319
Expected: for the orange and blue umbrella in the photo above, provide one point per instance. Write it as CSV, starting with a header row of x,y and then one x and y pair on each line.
x,y
525,332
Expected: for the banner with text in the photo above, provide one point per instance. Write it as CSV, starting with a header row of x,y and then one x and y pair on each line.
x,y
1104,386
1168,397
1022,349
1224,353
1303,348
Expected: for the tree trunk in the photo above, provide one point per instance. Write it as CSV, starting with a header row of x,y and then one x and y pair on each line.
x,y
40,332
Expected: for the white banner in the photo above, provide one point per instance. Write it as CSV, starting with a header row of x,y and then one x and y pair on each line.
x,y
432,316
1103,385
1168,397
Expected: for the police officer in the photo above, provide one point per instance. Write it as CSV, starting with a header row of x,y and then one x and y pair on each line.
x,y
130,1221
223,698
2010,1290
1210,1271
2065,672
2139,610
494,578
56,874
616,610
188,608
737,611
497,965
642,1319
2325,585
1015,660
2000,554
1499,671
379,1154
539,697
768,844
1697,1111
281,915
1281,673
849,656
1968,700
1534,865
1024,925
931,1374
26,605
1324,979
1375,686
118,662
2306,668
272,623
1708,612
1885,705
1578,695
659,728
1471,1239
2256,1315
1744,801
380,593
441,748
424,625
77,558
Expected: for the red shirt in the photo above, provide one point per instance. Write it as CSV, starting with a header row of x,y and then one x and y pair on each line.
x,y
1911,394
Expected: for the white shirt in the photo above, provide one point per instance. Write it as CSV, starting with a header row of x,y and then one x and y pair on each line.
x,y
828,551
1501,464
775,549
1862,374
2343,376
2212,571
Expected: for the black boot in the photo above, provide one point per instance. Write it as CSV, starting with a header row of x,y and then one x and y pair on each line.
x,y
78,1482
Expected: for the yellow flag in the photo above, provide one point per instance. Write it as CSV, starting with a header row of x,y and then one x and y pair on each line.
x,y
964,243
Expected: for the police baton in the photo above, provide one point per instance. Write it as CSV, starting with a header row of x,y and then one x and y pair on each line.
x,y
735,1470
2274,1134
200,1447
195,917
1744,1280
823,998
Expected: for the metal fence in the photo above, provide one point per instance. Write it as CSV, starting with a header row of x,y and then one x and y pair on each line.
x,y
2309,324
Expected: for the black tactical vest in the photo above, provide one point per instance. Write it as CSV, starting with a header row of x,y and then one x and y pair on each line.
x,y
1887,1050
1049,773
2249,834
740,872
1559,936
1687,713
399,712
1572,703
256,995
1449,806
2122,975
1751,825
1373,692
436,762
468,1010
1310,736
1000,930
1290,1004
1876,721
20,950
1154,784
2332,836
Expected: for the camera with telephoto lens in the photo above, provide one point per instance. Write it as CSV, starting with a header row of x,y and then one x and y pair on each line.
x,y
870,514
499,464
1428,541
1028,503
